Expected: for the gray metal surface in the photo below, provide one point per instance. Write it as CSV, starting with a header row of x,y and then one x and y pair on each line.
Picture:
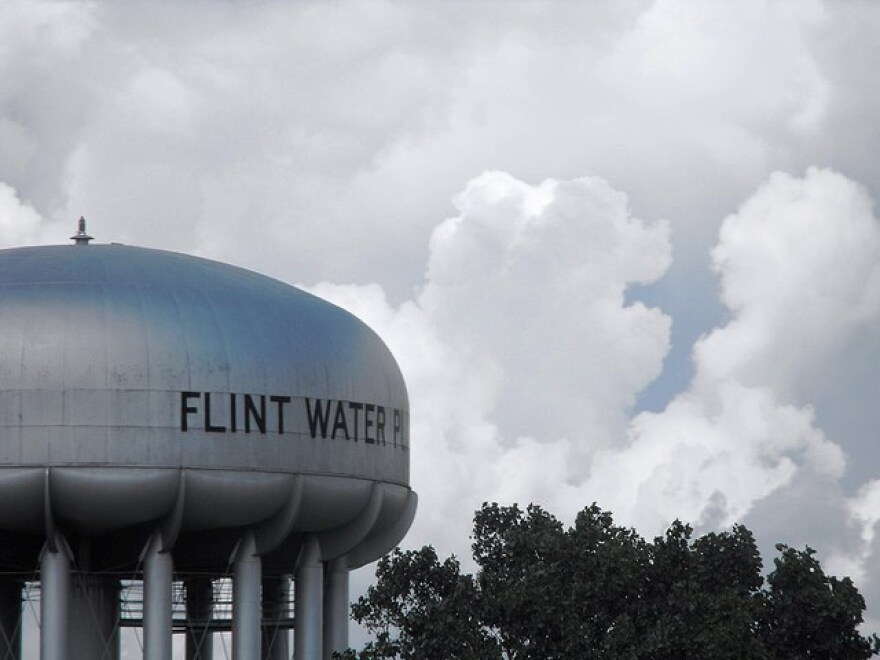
x,y
308,604
336,606
154,384
246,602
98,344
158,574
55,602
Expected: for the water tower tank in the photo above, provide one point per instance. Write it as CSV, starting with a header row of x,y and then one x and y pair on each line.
x,y
175,420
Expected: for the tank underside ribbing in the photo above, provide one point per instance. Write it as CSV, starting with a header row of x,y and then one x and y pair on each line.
x,y
80,575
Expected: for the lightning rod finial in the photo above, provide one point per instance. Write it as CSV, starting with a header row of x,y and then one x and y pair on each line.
x,y
81,237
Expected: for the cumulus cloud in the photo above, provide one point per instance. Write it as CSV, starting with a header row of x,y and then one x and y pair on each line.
x,y
527,282
520,351
708,457
799,265
19,222
800,269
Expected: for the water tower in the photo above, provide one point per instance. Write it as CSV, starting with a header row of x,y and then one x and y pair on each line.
x,y
171,422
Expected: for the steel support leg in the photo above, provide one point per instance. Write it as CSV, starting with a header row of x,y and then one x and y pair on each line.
x,y
158,569
246,606
54,599
308,603
335,607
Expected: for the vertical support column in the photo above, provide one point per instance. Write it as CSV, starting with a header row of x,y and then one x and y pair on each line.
x,y
335,607
276,594
10,620
158,569
54,598
246,611
199,601
308,603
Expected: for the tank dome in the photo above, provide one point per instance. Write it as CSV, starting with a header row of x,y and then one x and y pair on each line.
x,y
139,386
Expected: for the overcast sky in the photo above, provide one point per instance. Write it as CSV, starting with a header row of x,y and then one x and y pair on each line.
x,y
625,252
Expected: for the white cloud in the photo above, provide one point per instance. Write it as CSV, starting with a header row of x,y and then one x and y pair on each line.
x,y
520,352
708,457
19,222
800,271
529,281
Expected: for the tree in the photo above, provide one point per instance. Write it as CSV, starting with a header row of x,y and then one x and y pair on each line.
x,y
422,608
810,615
598,590
702,599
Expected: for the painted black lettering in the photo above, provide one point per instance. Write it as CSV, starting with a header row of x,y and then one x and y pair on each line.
x,y
280,400
186,409
357,407
252,413
339,421
380,425
318,417
396,426
368,423
233,414
209,427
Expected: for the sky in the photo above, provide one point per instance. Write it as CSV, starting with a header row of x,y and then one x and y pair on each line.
x,y
624,252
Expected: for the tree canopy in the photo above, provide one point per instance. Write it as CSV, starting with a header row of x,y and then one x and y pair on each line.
x,y
598,590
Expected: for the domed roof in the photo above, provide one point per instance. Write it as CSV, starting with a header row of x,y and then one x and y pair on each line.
x,y
134,318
